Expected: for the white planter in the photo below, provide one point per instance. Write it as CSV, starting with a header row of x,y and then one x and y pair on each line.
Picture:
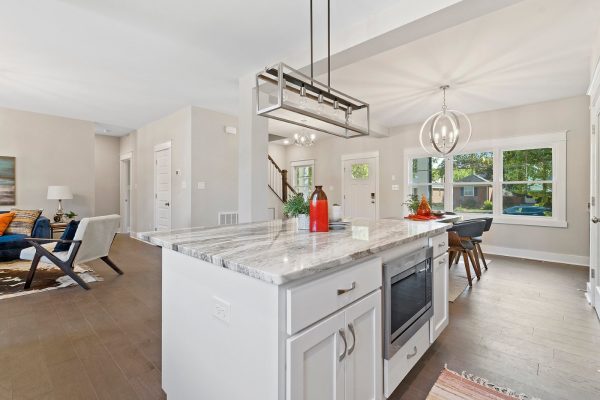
x,y
336,213
303,222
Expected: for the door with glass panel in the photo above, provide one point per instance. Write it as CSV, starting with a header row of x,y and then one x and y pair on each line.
x,y
360,188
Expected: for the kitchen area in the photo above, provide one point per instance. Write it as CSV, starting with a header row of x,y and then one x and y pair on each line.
x,y
267,311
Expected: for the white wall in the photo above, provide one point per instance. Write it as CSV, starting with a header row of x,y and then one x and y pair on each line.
x,y
201,152
106,155
50,151
566,114
214,162
175,128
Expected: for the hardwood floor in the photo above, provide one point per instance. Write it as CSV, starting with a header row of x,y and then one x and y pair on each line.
x,y
525,325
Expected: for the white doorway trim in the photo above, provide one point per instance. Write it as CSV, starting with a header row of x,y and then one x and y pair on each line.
x,y
125,211
353,156
157,148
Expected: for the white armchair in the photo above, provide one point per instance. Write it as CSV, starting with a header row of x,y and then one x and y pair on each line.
x,y
92,240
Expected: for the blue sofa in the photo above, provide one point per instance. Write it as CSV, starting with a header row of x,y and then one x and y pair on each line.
x,y
11,245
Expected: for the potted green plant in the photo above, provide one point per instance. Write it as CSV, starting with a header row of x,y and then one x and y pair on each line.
x,y
70,215
412,203
297,207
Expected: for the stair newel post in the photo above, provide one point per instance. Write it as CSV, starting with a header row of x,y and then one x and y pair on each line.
x,y
284,189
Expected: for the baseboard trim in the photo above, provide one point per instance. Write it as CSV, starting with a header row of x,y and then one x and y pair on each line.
x,y
536,255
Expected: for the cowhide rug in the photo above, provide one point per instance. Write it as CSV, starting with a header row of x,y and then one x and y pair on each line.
x,y
47,277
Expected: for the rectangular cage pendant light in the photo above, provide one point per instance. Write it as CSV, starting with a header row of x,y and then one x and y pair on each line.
x,y
285,94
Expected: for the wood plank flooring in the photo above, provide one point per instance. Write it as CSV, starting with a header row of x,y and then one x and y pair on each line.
x,y
524,325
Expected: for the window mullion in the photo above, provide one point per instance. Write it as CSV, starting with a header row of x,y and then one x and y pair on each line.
x,y
498,177
448,185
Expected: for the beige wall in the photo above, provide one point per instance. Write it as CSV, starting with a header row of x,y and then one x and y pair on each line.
x,y
214,162
201,152
106,150
567,114
50,151
175,128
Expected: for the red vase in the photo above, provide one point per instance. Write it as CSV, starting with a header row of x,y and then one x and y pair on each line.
x,y
424,210
319,211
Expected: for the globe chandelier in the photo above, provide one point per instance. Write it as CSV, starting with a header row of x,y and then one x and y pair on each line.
x,y
446,131
303,139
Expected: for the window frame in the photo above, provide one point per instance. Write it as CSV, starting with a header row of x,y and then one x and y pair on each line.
x,y
300,164
556,141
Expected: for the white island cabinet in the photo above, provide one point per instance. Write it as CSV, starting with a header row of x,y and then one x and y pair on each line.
x,y
265,312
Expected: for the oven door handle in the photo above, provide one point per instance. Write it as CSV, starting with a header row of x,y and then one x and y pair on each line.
x,y
343,336
351,329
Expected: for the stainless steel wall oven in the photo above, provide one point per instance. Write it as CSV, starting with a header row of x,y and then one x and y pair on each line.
x,y
407,294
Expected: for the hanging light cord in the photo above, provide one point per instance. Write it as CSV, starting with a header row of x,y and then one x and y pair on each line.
x,y
328,44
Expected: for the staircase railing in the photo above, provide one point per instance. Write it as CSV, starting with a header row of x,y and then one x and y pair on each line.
x,y
278,181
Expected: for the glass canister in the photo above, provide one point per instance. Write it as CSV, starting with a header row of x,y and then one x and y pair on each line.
x,y
319,211
424,210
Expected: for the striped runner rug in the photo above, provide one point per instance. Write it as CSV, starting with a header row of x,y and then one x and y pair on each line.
x,y
454,386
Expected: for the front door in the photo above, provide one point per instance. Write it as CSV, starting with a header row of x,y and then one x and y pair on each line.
x,y
162,187
360,188
594,285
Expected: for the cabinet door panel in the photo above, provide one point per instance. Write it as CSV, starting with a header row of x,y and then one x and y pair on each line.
x,y
440,318
364,380
314,371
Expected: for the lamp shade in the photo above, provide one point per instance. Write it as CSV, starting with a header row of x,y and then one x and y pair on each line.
x,y
59,193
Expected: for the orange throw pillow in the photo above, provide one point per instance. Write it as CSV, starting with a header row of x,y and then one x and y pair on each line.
x,y
5,221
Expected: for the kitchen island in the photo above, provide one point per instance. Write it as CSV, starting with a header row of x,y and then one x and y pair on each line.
x,y
263,311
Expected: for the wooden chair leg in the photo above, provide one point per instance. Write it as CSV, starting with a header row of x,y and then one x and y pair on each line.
x,y
111,264
475,264
451,255
467,268
482,256
34,263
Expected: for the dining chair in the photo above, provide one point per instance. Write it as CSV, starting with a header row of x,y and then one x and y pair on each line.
x,y
459,240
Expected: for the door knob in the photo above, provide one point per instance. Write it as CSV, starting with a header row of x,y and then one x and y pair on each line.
x,y
595,220
167,204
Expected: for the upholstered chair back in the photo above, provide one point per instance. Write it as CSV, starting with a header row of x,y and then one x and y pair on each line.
x,y
96,235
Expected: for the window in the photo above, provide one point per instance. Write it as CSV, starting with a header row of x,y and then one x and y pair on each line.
x,y
427,178
520,180
303,179
360,171
472,179
527,182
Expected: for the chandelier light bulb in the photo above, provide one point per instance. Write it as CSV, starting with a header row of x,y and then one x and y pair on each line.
x,y
441,133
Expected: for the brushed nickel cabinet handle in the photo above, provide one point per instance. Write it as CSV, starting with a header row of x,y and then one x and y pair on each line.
x,y
409,356
442,262
343,335
342,291
351,329
442,244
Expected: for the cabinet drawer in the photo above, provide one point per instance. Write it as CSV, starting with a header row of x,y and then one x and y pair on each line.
x,y
440,244
317,299
400,365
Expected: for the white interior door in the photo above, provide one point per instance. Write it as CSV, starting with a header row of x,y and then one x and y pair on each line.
x,y
125,195
360,197
594,285
162,188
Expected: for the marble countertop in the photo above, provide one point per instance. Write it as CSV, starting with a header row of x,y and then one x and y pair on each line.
x,y
277,253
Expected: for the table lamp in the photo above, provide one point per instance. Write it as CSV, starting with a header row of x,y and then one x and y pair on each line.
x,y
59,193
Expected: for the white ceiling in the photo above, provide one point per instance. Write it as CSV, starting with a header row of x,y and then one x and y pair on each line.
x,y
126,63
534,51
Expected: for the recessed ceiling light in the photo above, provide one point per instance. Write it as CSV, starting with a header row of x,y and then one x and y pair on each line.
x,y
286,141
